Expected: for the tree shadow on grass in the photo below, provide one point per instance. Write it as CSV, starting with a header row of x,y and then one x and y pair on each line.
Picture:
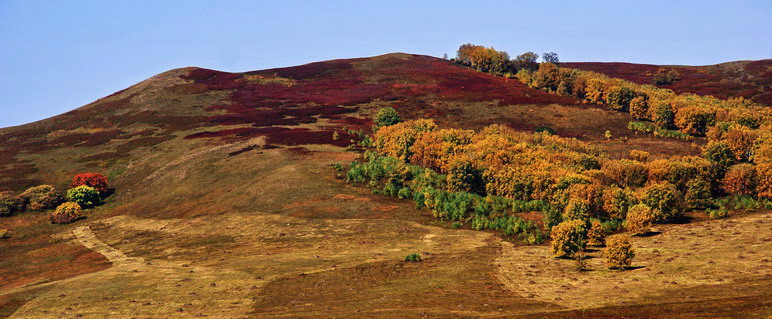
x,y
634,267
681,220
650,234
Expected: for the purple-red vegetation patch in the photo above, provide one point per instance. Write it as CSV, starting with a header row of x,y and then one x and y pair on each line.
x,y
280,135
312,70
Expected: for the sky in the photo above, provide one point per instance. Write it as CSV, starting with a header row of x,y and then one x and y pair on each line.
x,y
56,56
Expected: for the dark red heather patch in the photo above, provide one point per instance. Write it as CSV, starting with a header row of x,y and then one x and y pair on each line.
x,y
280,135
325,92
312,70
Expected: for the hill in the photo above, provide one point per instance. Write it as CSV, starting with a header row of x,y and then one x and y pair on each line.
x,y
226,204
748,79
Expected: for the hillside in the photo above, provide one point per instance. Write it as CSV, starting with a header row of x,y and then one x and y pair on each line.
x,y
226,204
748,79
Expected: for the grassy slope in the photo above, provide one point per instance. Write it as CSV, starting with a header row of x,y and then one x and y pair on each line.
x,y
748,79
231,171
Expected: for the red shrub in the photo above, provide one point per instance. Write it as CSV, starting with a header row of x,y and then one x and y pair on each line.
x,y
95,180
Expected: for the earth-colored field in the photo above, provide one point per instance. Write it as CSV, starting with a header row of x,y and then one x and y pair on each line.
x,y
226,205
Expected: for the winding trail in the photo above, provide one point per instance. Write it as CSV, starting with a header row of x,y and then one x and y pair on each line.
x,y
87,238
135,287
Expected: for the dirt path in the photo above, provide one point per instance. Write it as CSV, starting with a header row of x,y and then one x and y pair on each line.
x,y
134,287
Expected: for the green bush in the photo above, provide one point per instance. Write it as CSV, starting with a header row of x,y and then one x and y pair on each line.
x,y
41,197
657,131
463,177
413,257
546,129
568,238
552,216
386,116
718,213
85,196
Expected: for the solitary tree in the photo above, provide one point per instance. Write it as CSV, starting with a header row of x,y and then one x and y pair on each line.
x,y
551,57
619,252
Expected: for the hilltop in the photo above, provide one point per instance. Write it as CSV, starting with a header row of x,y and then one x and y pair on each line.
x,y
226,203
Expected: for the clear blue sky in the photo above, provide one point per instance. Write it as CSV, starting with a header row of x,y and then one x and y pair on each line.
x,y
58,55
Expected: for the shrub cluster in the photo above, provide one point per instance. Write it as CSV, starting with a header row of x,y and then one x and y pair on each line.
x,y
41,197
66,213
691,114
88,190
10,203
427,188
498,62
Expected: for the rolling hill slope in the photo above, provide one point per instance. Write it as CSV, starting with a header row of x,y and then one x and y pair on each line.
x,y
226,204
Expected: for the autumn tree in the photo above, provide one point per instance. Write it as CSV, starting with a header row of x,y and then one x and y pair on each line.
x,y
638,219
619,252
664,199
740,179
526,61
568,238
